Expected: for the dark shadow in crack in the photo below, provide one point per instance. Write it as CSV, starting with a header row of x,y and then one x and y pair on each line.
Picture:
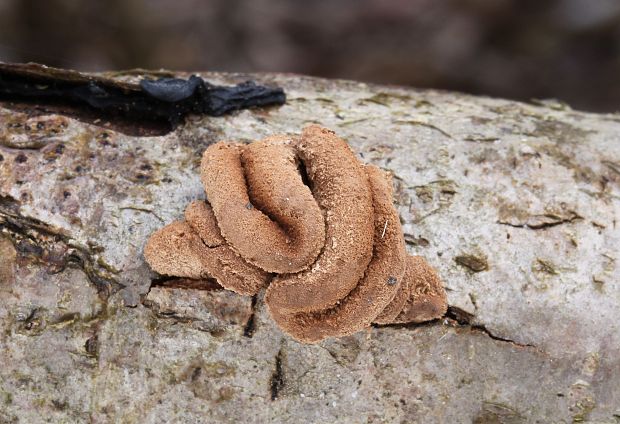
x,y
186,283
457,317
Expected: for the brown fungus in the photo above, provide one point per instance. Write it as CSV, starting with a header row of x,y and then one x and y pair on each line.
x,y
421,296
342,191
373,292
284,231
179,249
306,210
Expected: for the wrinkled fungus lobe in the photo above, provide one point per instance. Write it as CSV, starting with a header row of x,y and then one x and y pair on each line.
x,y
303,217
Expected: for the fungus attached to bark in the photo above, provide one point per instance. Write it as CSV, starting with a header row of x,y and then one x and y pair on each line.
x,y
303,213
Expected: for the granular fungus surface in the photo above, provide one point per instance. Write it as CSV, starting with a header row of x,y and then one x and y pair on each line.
x,y
302,217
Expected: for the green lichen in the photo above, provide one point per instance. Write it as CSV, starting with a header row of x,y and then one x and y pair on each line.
x,y
384,99
544,266
443,189
497,412
8,397
417,123
473,262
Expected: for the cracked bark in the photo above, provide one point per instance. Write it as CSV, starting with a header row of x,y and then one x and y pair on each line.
x,y
542,221
36,239
516,206
276,382
250,325
464,319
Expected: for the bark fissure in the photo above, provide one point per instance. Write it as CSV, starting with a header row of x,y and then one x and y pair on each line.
x,y
250,325
465,320
276,383
185,283
541,222
457,317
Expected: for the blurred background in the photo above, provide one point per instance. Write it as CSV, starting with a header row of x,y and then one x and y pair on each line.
x,y
520,49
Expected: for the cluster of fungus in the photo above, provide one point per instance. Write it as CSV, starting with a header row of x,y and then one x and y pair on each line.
x,y
303,217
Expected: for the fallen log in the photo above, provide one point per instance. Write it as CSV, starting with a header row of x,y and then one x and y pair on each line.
x,y
517,206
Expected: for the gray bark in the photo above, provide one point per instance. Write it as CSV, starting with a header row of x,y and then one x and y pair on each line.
x,y
516,205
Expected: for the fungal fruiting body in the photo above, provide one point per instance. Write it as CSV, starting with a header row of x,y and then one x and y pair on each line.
x,y
303,217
